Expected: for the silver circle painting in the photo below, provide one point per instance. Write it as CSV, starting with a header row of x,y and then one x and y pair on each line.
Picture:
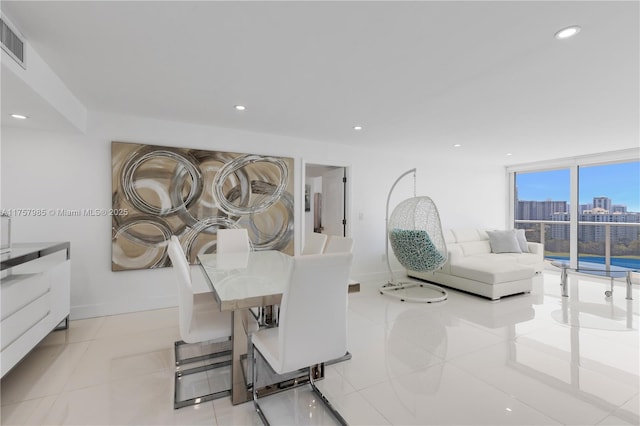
x,y
192,193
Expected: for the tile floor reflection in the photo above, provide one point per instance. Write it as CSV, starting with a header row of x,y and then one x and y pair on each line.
x,y
528,359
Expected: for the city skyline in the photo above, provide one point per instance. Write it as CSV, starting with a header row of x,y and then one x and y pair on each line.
x,y
619,182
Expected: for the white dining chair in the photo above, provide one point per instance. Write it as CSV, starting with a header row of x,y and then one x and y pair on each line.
x,y
200,320
306,335
233,240
314,243
338,244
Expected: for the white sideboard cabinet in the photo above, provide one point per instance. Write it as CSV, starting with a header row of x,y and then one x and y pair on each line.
x,y
34,298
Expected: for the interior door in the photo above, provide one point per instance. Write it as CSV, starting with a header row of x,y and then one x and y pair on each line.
x,y
333,198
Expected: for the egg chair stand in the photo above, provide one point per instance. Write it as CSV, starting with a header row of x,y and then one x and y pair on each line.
x,y
417,241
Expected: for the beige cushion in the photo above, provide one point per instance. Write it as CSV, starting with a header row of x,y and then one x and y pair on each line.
x,y
448,236
483,234
466,234
473,248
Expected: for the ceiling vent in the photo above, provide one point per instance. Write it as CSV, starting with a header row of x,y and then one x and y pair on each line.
x,y
12,43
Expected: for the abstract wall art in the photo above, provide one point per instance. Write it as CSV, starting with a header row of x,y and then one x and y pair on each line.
x,y
160,191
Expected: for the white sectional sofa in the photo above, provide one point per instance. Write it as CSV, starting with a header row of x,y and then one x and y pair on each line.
x,y
473,266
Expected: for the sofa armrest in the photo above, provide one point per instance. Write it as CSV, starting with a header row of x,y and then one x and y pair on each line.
x,y
536,248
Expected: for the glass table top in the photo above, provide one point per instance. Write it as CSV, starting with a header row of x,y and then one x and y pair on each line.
x,y
242,280
594,268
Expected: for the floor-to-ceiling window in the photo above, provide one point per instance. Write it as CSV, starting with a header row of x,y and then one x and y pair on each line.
x,y
609,214
542,208
587,211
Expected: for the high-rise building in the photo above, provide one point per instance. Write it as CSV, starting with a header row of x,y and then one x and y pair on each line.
x,y
602,203
584,207
560,231
618,233
602,211
539,210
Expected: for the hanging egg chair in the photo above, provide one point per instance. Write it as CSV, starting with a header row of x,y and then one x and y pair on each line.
x,y
415,234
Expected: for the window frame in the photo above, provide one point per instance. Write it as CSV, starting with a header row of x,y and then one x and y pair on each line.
x,y
571,163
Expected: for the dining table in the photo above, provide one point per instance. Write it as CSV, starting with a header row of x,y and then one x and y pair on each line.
x,y
239,282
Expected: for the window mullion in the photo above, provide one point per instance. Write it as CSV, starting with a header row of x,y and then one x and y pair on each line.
x,y
574,216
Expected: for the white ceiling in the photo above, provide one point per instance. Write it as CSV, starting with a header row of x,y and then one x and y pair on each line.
x,y
421,75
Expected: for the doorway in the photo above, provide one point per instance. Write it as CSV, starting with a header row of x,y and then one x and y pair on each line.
x,y
325,199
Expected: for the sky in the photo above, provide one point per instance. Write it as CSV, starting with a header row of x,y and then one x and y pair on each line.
x,y
620,182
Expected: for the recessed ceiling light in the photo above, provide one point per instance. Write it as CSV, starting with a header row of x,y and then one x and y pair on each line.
x,y
19,116
357,127
509,154
567,32
457,145
240,107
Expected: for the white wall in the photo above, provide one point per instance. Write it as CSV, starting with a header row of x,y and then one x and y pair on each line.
x,y
70,171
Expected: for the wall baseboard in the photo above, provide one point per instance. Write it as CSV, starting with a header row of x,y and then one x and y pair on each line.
x,y
170,301
124,307
378,277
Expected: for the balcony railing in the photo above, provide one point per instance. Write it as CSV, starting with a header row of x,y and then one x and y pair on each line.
x,y
607,232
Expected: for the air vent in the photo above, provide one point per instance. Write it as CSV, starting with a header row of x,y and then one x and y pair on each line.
x,y
12,43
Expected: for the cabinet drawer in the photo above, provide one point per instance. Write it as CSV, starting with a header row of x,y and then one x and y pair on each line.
x,y
20,290
23,320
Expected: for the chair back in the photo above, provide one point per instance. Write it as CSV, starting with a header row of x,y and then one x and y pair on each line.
x,y
185,289
337,244
233,240
314,243
313,311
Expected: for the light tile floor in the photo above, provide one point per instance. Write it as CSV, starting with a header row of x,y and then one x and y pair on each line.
x,y
529,359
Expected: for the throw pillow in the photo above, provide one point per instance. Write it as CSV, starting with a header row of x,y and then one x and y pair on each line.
x,y
522,241
504,241
415,250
